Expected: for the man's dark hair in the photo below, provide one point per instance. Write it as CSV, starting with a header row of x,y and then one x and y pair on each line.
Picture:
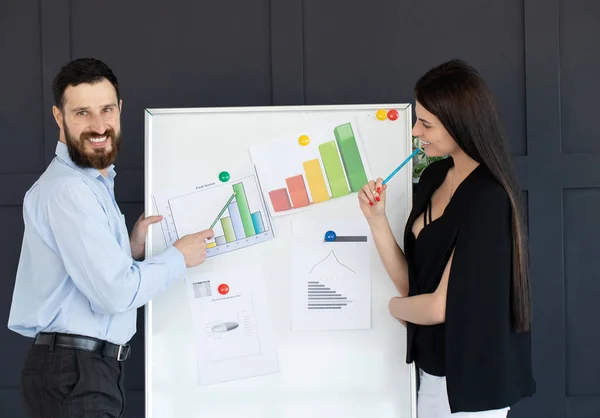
x,y
81,70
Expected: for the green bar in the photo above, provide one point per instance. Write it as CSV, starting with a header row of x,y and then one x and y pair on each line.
x,y
222,210
333,169
242,203
228,229
351,156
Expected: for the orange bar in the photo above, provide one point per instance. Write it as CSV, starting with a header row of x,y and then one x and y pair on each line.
x,y
316,181
297,190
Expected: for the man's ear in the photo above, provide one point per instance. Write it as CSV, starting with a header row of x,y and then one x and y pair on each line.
x,y
58,116
120,105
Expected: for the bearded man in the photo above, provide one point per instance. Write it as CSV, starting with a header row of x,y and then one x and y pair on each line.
x,y
81,277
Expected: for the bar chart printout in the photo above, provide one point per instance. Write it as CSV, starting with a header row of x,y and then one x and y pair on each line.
x,y
330,164
234,211
331,280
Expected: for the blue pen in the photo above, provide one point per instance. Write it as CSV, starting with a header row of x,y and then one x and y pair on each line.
x,y
415,152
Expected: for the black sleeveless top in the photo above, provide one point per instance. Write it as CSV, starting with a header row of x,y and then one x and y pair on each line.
x,y
429,253
487,365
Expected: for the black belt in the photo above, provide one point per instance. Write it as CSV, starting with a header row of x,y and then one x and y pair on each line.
x,y
78,342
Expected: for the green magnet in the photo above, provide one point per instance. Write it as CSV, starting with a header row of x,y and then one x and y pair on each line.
x,y
224,176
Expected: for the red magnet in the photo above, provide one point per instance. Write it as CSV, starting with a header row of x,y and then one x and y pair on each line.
x,y
223,289
392,114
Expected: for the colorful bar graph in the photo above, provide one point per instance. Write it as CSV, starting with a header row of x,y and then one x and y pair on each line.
x,y
355,171
220,240
259,226
228,229
334,169
242,204
316,181
297,190
236,220
280,200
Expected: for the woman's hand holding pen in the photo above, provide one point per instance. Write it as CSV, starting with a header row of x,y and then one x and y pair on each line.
x,y
372,195
372,200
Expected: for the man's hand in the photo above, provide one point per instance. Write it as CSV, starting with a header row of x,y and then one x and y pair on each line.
x,y
137,240
193,247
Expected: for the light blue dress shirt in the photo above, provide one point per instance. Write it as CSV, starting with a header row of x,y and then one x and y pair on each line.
x,y
76,274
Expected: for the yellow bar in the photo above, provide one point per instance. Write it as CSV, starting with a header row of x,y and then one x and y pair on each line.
x,y
211,244
316,181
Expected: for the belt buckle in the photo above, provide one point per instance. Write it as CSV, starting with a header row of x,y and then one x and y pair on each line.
x,y
123,353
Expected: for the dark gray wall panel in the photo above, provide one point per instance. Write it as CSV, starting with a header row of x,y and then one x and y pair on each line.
x,y
354,53
287,59
130,184
545,172
583,407
14,346
189,54
56,51
14,187
21,107
10,404
579,69
582,270
537,55
135,404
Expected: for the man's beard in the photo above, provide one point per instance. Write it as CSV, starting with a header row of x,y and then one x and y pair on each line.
x,y
98,158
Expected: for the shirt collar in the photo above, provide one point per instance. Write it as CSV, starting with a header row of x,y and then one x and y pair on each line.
x,y
62,152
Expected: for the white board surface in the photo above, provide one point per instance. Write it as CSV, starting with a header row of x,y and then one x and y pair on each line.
x,y
334,374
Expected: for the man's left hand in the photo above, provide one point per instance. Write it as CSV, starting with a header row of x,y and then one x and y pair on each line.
x,y
137,240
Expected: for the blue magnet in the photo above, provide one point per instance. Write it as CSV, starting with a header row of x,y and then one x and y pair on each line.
x,y
330,236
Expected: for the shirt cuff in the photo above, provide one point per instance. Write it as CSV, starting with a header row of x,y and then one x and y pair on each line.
x,y
175,262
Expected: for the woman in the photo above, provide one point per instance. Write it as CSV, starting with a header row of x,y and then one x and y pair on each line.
x,y
463,278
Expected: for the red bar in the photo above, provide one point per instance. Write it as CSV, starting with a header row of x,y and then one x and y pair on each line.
x,y
280,200
298,192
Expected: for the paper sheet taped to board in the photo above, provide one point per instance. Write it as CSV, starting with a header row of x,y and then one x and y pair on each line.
x,y
232,325
311,166
331,280
234,210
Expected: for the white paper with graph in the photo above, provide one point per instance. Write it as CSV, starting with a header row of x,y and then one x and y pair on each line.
x,y
232,324
234,209
331,280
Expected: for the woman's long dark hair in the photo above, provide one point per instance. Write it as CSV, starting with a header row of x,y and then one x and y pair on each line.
x,y
461,99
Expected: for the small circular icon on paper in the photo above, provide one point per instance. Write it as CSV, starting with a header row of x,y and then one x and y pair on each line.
x,y
224,176
330,236
223,289
304,140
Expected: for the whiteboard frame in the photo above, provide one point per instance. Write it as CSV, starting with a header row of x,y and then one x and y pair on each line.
x,y
149,112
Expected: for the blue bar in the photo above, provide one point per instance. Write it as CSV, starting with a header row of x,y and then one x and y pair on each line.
x,y
236,220
259,226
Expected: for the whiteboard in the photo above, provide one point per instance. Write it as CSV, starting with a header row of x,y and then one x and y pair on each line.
x,y
362,373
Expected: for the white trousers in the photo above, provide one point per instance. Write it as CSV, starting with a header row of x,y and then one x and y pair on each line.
x,y
432,401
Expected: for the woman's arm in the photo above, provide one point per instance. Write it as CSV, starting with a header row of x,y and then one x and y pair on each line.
x,y
391,255
372,203
426,309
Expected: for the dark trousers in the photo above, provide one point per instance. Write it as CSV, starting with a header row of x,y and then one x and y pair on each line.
x,y
67,383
